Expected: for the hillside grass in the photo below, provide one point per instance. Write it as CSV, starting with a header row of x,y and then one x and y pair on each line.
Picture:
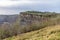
x,y
46,30
47,33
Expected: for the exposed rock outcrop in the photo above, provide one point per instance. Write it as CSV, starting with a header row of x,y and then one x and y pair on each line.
x,y
27,18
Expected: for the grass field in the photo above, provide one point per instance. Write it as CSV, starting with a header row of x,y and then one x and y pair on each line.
x,y
48,33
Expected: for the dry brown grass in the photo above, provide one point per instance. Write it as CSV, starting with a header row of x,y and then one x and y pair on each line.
x,y
48,33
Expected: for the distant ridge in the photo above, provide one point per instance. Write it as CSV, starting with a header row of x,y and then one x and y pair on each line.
x,y
8,18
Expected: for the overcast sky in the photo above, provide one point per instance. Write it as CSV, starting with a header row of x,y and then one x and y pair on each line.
x,y
16,6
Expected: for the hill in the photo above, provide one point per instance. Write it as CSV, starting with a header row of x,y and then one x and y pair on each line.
x,y
30,22
8,18
48,33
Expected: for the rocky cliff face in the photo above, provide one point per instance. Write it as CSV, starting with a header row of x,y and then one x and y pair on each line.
x,y
30,18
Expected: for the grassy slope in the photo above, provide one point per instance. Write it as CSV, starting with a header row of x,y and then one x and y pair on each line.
x,y
48,33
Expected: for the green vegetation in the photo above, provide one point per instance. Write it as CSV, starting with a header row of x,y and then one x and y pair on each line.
x,y
47,33
41,30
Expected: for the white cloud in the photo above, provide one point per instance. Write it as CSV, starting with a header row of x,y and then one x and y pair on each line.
x,y
7,12
11,3
24,2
